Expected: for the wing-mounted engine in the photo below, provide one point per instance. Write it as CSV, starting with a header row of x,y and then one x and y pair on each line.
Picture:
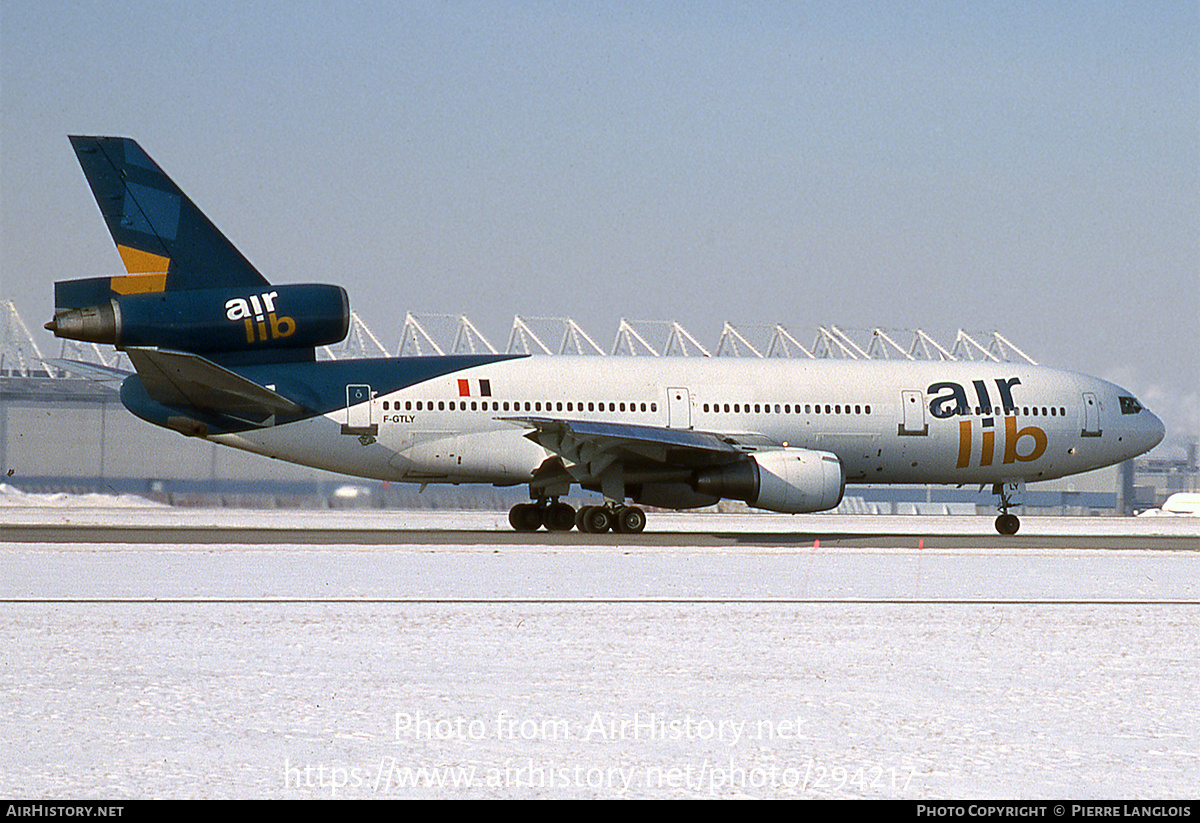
x,y
202,320
786,480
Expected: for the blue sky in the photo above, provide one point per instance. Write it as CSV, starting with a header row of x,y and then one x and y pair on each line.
x,y
1029,167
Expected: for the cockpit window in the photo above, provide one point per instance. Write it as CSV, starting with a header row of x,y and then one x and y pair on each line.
x,y
1129,405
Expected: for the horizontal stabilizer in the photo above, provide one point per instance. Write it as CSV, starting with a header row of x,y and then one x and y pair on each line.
x,y
182,379
106,375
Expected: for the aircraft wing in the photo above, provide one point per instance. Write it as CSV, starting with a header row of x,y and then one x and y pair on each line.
x,y
589,446
183,379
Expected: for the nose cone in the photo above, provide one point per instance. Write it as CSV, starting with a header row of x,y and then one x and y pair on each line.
x,y
1154,430
1144,432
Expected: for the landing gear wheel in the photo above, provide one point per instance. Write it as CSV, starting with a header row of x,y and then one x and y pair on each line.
x,y
525,517
630,520
596,519
559,517
1008,523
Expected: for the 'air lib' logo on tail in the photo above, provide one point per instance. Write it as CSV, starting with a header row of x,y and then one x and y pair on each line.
x,y
258,313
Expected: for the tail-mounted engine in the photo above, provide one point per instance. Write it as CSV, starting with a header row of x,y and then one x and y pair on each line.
x,y
202,320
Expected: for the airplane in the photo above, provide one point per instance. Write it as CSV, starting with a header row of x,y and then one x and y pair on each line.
x,y
1179,503
222,354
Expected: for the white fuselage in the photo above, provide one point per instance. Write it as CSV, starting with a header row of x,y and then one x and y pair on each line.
x,y
887,421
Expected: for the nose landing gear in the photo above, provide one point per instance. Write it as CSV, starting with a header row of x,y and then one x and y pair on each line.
x,y
1008,523
1005,523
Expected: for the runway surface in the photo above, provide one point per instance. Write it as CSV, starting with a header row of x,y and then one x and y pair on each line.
x,y
439,655
369,528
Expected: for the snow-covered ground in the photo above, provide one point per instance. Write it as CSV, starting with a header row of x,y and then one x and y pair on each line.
x,y
13,499
593,671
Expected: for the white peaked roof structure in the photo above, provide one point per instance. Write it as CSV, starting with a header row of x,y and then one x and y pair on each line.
x,y
669,338
19,354
423,335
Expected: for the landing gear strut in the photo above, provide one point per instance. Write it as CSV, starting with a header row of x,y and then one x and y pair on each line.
x,y
1006,523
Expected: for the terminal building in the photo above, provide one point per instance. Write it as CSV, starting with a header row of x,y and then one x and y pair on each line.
x,y
61,431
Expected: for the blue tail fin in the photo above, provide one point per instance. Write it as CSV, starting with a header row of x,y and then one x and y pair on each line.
x,y
187,288
166,243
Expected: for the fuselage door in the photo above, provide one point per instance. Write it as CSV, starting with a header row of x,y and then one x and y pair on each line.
x,y
1091,415
679,408
912,422
359,415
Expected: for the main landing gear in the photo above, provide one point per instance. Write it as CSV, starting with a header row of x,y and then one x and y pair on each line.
x,y
556,516
1006,523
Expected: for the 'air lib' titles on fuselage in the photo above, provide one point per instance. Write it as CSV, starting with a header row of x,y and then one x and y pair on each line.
x,y
950,398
